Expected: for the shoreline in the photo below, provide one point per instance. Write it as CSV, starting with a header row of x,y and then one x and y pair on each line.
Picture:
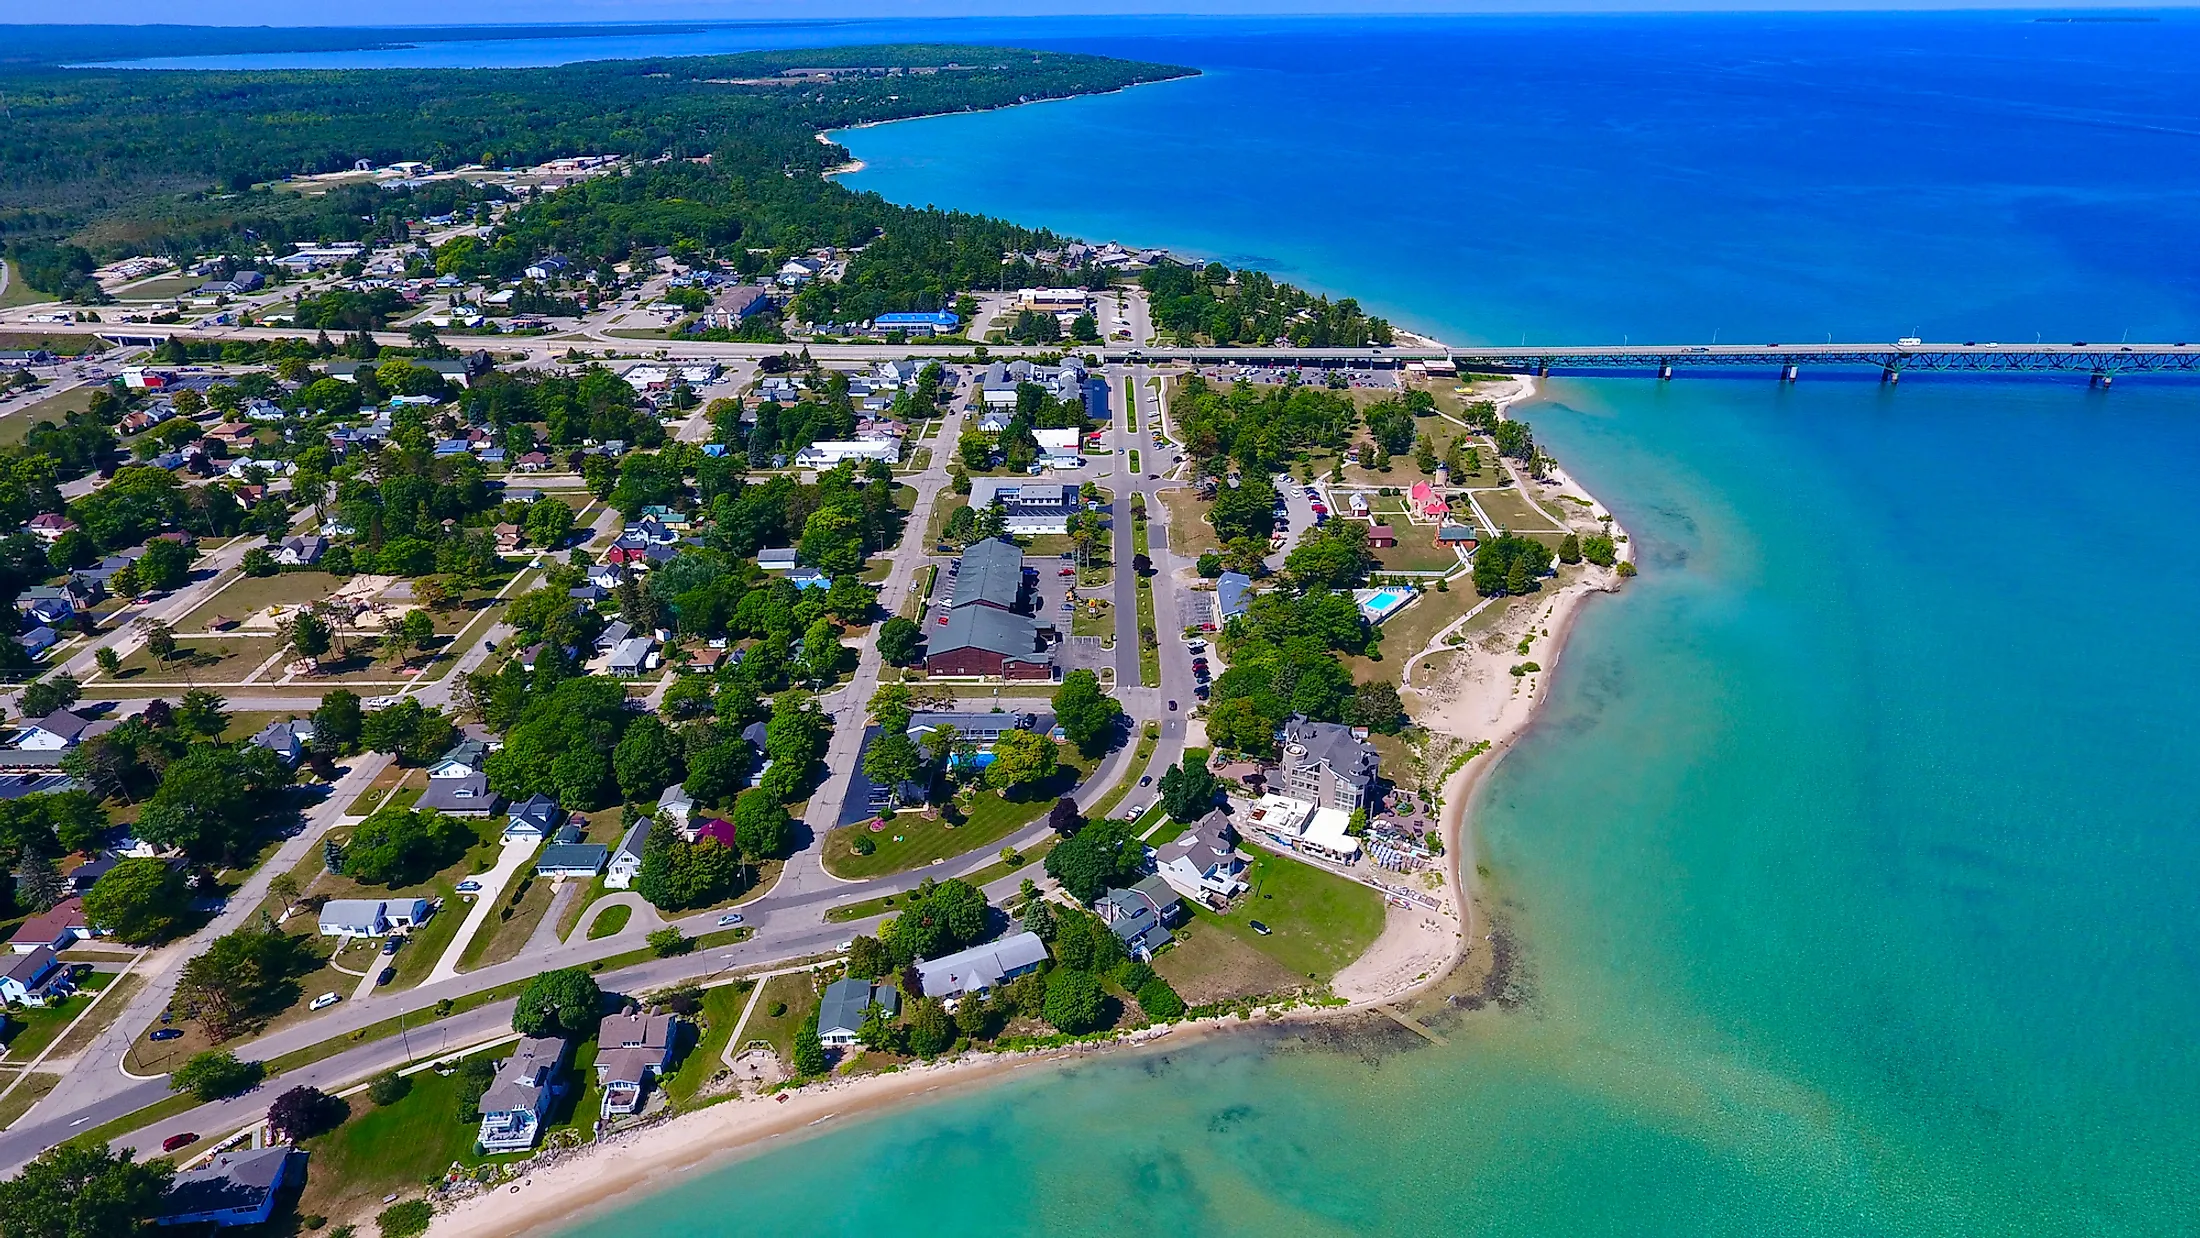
x,y
1406,960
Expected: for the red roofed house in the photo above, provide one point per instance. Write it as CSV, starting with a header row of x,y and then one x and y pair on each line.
x,y
1427,502
718,830
58,929
1381,536
49,527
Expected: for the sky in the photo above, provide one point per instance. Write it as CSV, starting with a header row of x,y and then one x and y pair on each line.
x,y
443,12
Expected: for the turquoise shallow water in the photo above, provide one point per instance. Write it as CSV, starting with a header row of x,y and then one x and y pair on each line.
x,y
1853,858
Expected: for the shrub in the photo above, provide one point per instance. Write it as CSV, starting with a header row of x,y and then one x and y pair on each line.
x,y
216,1075
389,1089
667,942
405,1220
779,1010
863,844
1159,999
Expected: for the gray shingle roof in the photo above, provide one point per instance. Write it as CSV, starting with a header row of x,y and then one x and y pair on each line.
x,y
992,572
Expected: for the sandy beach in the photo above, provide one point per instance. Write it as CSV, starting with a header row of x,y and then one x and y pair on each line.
x,y
1470,696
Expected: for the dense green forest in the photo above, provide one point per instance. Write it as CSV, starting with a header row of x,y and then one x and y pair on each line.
x,y
121,160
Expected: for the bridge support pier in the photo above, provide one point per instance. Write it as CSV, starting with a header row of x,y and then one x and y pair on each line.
x,y
2102,379
1791,373
1890,375
1543,370
1665,371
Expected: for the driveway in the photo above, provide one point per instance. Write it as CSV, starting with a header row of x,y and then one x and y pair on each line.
x,y
510,857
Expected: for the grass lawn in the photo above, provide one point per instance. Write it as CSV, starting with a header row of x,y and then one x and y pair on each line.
x,y
989,819
1319,922
1149,651
886,903
55,408
721,1010
27,1093
1416,552
103,1015
610,922
1084,621
382,1149
1513,513
943,510
245,596
798,992
215,660
32,1028
372,797
1189,533
572,913
501,936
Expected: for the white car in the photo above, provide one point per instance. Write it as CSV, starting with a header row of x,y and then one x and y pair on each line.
x,y
324,1001
379,702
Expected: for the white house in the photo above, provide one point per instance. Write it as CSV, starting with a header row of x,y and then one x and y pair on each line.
x,y
677,804
59,729
36,978
302,550
1058,448
372,917
981,968
841,1009
626,858
533,819
1205,861
513,1108
827,454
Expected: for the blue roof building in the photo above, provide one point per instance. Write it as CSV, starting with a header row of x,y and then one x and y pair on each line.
x,y
938,322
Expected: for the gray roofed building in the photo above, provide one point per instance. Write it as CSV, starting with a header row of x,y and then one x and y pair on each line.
x,y
840,1009
570,857
1327,764
469,796
1205,860
1232,592
286,739
630,658
372,917
464,757
533,818
59,729
626,858
978,728
513,1108
991,573
982,967
235,1188
979,640
634,1048
776,559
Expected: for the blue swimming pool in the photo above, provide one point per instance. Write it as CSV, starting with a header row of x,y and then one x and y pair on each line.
x,y
1377,604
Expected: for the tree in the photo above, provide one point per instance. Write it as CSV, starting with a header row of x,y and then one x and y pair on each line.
x,y
937,917
240,979
83,1190
38,886
216,1074
1102,855
565,1002
1569,548
160,640
867,958
110,662
548,522
900,641
138,901
214,801
1160,1000
761,825
202,713
1209,565
1064,819
258,562
339,722
308,634
1020,758
406,730
809,1051
305,1111
647,759
1188,791
1087,715
1598,548
165,565
668,942
931,1032
389,1088
892,761
399,847
1074,1001
49,694
1039,918
416,630
1376,706
285,886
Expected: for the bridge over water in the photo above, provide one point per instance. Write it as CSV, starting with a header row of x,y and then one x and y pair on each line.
x,y
2100,363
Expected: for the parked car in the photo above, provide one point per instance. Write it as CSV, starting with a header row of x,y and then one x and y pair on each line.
x,y
731,917
1259,928
173,1142
1172,707
167,1033
469,886
1146,781
324,1001
388,974
390,944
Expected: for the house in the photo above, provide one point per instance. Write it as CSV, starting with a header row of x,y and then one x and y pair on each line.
x,y
809,578
38,640
588,595
1356,503
776,559
48,527
59,729
1205,861
631,657
676,803
981,968
840,1010
35,979
614,634
824,455
302,550
86,875
1455,536
1232,592
975,728
1327,765
238,1187
49,605
286,739
469,796
57,929
372,917
1141,916
570,857
607,576
717,830
633,1049
939,322
1029,507
546,268
533,819
508,538
531,462
1382,536
994,421
980,640
1427,502
1058,448
626,858
464,757
518,1099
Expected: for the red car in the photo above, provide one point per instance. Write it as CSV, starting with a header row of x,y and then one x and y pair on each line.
x,y
173,1142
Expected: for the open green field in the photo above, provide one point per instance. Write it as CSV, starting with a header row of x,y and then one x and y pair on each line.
x,y
1514,513
911,841
1319,922
245,596
16,425
798,992
385,1149
714,1026
1416,551
32,1028
205,661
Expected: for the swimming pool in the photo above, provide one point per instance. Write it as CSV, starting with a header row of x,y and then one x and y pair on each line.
x,y
1379,604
